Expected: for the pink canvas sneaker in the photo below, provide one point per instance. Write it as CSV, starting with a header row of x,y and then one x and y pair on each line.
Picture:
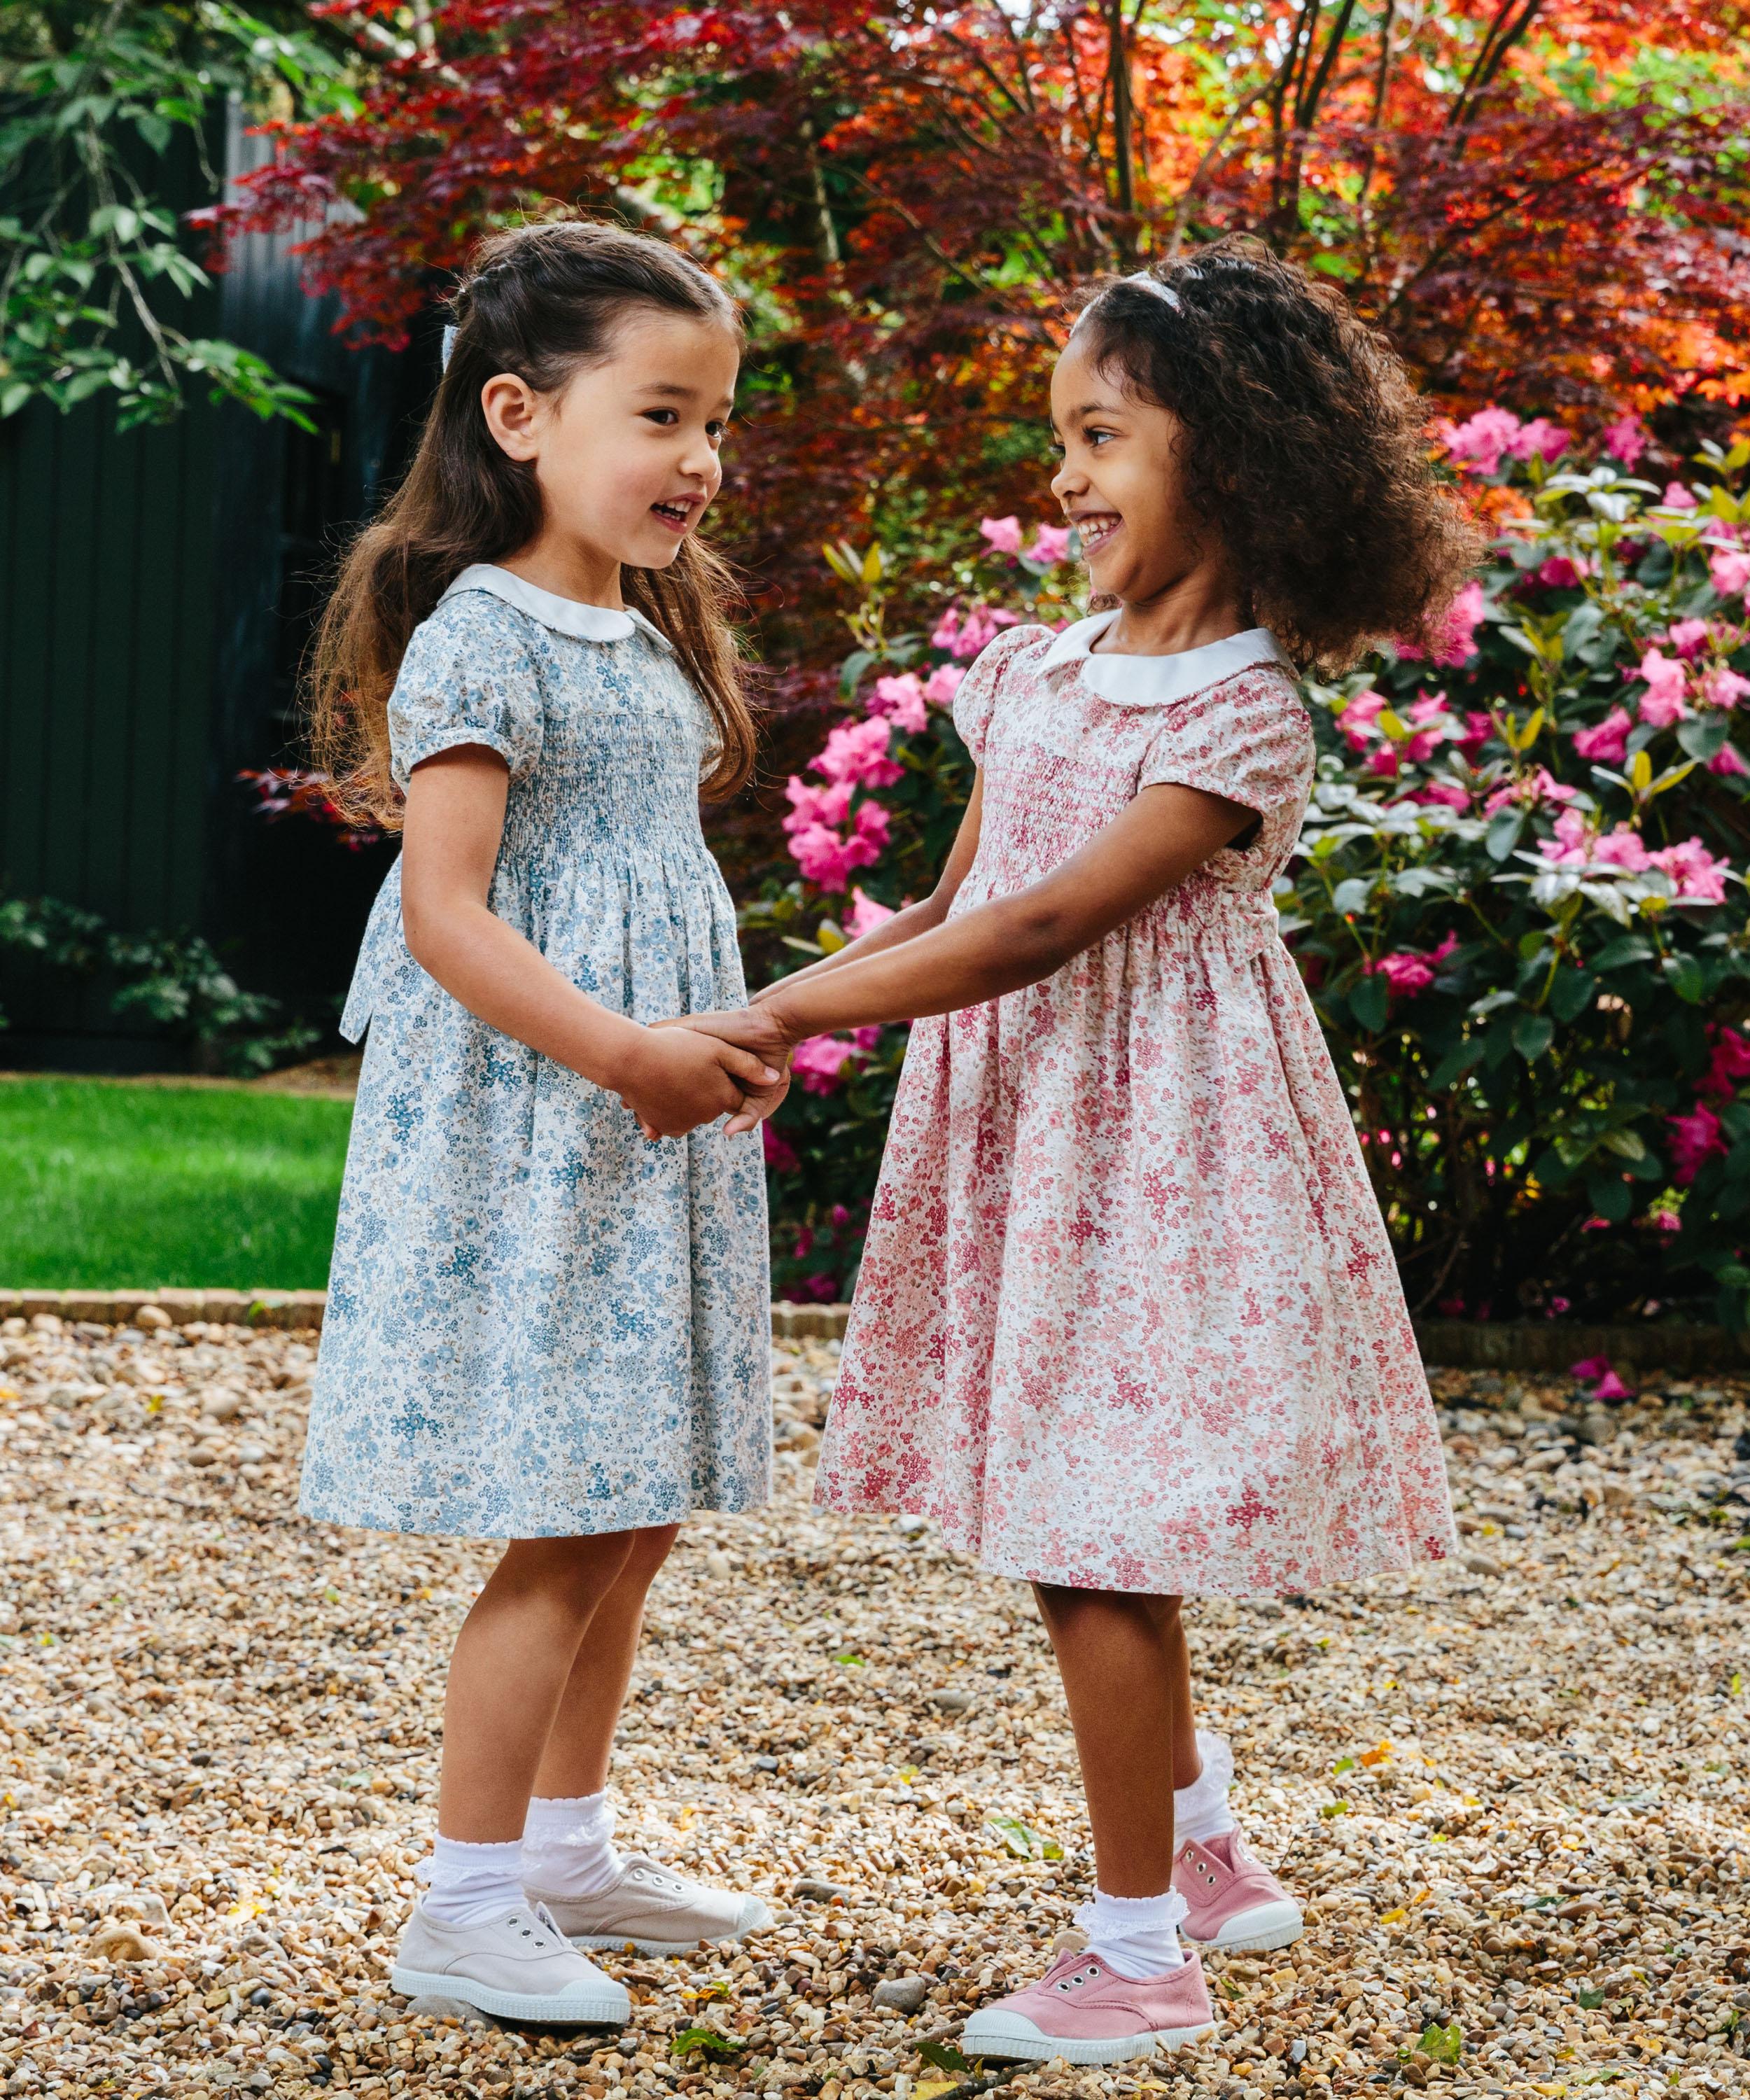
x,y
1235,1904
1084,2012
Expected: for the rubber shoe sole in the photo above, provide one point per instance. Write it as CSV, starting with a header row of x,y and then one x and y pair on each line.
x,y
1257,1930
755,1917
591,2009
1012,2038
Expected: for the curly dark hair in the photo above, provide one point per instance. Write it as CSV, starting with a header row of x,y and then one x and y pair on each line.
x,y
1305,444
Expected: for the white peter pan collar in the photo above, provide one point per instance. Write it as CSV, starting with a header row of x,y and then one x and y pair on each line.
x,y
564,615
1150,681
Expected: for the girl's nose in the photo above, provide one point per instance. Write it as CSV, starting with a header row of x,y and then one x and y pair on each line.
x,y
1066,481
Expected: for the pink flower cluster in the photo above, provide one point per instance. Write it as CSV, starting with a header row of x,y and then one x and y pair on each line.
x,y
1694,871
1454,642
1729,562
1671,681
819,1060
1412,970
1608,1386
1433,724
1050,543
1491,434
904,699
855,755
963,635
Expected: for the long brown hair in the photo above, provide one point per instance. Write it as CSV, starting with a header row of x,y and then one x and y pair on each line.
x,y
539,301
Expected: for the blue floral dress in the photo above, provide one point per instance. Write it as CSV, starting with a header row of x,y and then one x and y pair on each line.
x,y
539,1326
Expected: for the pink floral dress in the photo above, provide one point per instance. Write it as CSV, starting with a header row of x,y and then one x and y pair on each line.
x,y
1127,1317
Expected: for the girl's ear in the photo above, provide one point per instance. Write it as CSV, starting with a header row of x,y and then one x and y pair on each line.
x,y
508,404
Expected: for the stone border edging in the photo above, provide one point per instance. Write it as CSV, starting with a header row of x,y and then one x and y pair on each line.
x,y
1454,1344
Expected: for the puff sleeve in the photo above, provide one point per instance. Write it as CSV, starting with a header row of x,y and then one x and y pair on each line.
x,y
976,701
470,675
1249,739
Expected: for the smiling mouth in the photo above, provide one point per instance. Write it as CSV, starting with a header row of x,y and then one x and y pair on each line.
x,y
1095,528
676,513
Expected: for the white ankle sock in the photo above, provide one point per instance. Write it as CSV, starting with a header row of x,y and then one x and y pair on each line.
x,y
1136,1936
471,1883
1200,1810
568,1846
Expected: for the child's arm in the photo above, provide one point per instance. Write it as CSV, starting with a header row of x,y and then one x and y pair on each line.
x,y
923,917
1162,836
671,1079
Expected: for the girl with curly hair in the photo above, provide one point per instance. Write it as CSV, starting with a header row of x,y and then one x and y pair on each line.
x,y
1128,1326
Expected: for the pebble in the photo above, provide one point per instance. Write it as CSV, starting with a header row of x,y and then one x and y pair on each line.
x,y
904,1994
1517,1806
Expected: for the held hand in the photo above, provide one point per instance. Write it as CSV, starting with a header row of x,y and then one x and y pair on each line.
x,y
757,1028
678,1078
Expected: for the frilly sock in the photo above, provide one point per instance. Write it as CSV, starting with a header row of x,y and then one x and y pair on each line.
x,y
568,1846
470,1884
1200,1810
1135,1936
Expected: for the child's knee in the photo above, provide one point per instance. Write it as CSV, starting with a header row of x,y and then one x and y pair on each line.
x,y
651,1548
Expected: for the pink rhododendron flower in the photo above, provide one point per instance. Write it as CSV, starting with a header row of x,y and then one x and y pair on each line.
x,y
1694,870
1539,785
824,856
780,1153
1589,1368
1689,638
1607,742
865,914
1050,546
1569,847
946,630
978,628
1540,436
1411,970
1003,534
943,683
1723,687
1562,571
1677,497
1730,568
1627,438
870,827
818,1060
1662,703
1727,759
1357,719
1623,847
1453,643
1729,1064
1479,729
1481,439
809,805
901,700
1610,1387
857,751
1695,1139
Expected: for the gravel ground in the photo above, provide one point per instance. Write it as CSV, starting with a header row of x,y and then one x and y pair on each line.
x,y
1510,1789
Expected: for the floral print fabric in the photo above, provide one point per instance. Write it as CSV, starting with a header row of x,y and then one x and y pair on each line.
x,y
538,1324
1127,1317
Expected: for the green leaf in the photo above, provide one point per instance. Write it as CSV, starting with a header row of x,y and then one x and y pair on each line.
x,y
1370,1001
1571,994
1689,979
1022,1840
706,2040
1625,1144
1609,1193
1442,2045
1533,1035
1589,2000
1702,735
1617,954
943,2056
1457,1062
1503,833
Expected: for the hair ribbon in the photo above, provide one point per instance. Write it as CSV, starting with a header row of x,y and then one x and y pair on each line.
x,y
449,344
1150,283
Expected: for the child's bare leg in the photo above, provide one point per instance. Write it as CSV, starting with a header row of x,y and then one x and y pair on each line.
x,y
576,1761
1125,1694
513,1662
1187,1766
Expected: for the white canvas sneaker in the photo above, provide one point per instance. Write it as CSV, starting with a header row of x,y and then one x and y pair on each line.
x,y
653,1909
517,1967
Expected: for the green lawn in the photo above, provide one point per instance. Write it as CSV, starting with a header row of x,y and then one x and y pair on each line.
x,y
125,1188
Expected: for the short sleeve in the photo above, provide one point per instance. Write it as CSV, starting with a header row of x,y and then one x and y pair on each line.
x,y
1249,739
976,701
470,676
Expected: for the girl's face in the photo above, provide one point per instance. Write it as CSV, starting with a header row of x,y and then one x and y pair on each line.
x,y
627,453
1120,483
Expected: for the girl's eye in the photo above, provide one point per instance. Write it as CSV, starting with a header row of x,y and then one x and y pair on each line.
x,y
666,418
717,432
1096,437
